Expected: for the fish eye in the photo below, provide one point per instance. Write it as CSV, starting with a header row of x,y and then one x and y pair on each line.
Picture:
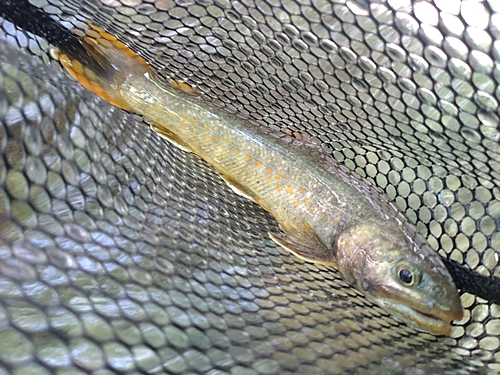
x,y
407,274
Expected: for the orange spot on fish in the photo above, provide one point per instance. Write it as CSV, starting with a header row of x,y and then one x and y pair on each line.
x,y
185,122
224,138
278,187
259,164
308,201
320,208
236,150
270,180
205,128
216,139
248,157
303,190
296,203
160,107
208,139
336,219
269,170
289,189
278,176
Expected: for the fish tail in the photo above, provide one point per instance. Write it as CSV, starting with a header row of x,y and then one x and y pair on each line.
x,y
112,63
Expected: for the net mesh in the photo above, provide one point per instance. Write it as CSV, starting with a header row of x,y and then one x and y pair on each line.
x,y
120,253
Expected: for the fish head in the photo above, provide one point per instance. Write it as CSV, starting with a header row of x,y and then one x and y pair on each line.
x,y
401,274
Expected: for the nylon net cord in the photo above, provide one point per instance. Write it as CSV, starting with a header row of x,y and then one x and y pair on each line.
x,y
120,253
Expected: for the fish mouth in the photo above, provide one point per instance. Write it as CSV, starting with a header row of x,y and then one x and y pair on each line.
x,y
438,323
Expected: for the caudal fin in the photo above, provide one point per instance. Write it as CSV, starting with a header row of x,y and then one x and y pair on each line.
x,y
113,63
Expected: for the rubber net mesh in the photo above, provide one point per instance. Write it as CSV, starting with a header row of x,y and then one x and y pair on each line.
x,y
120,253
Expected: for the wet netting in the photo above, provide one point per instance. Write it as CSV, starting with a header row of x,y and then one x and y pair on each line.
x,y
120,253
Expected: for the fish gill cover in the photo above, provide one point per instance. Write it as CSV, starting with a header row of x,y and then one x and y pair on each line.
x,y
122,254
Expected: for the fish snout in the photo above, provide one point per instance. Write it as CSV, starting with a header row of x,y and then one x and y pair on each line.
x,y
456,310
449,305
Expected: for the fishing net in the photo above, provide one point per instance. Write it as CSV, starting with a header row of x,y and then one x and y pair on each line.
x,y
120,253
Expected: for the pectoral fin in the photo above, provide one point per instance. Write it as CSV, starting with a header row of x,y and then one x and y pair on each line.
x,y
304,244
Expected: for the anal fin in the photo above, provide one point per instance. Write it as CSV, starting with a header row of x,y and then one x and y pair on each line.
x,y
238,188
305,244
171,137
175,140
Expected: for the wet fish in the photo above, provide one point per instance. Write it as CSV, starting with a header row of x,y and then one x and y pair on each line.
x,y
327,213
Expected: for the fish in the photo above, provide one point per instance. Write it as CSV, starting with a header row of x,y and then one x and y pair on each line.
x,y
327,214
